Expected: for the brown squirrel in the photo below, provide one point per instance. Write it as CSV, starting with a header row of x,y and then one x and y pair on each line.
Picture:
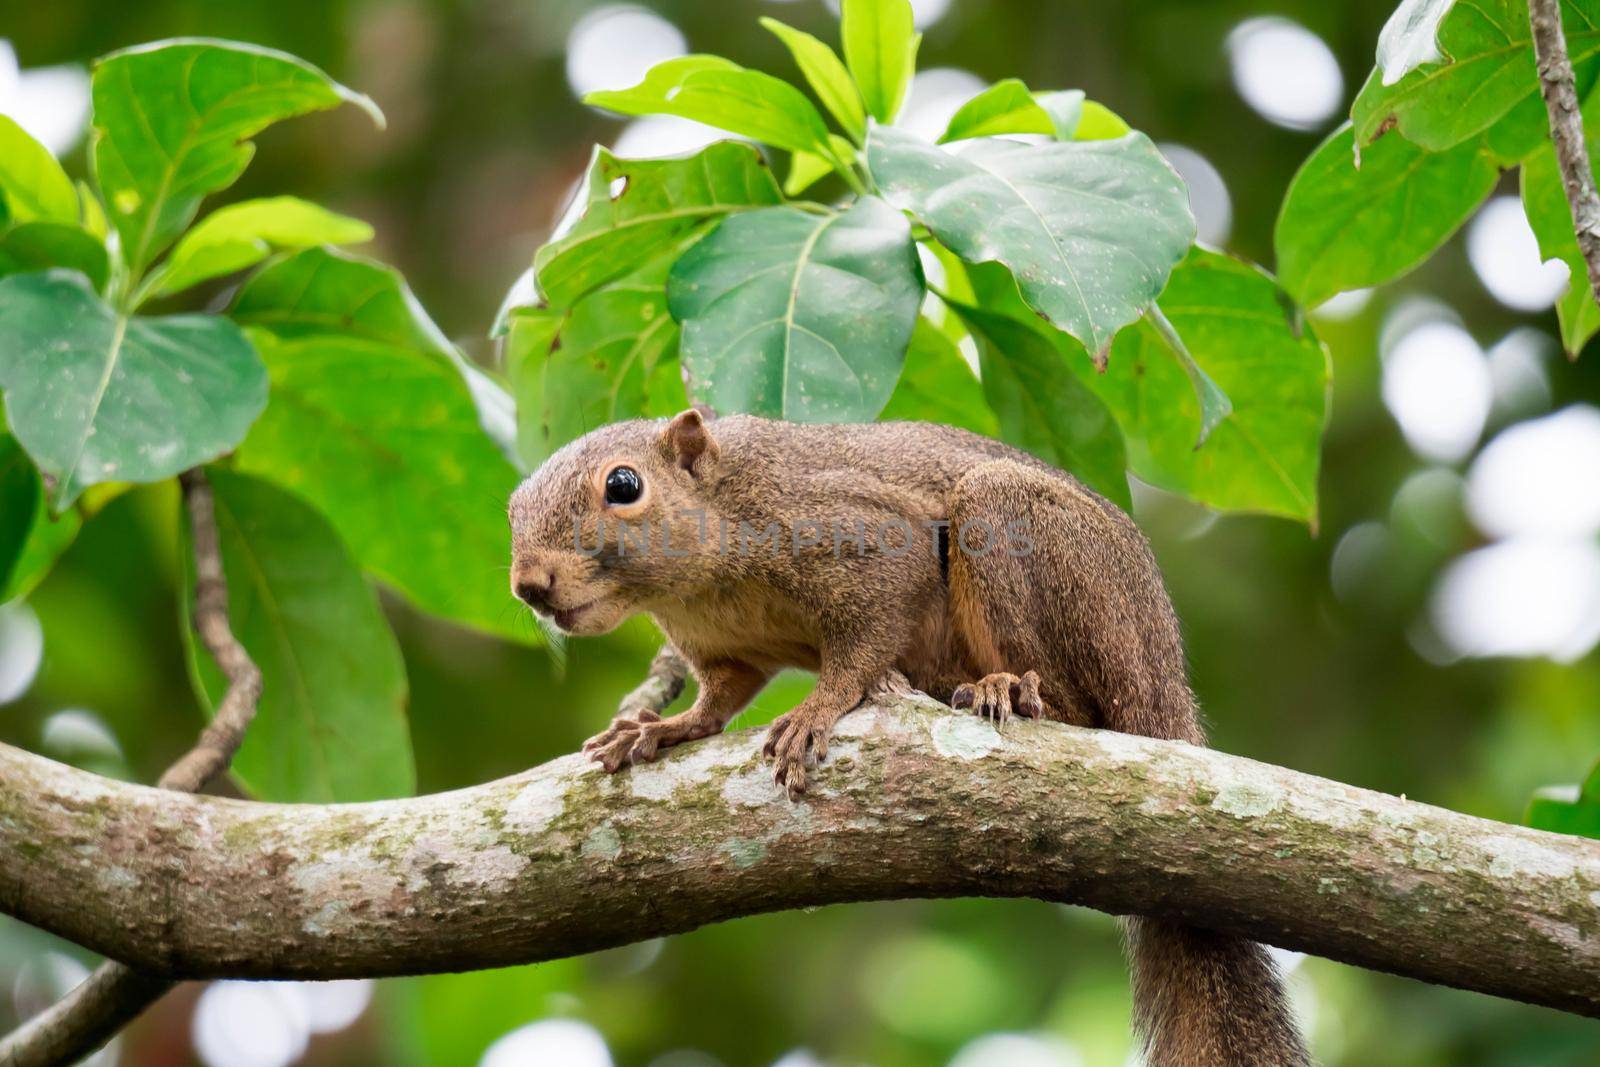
x,y
885,556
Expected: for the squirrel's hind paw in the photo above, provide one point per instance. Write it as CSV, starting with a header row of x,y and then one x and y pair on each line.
x,y
997,696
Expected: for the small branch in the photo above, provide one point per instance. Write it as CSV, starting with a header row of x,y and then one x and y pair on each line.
x,y
1557,86
114,995
661,686
914,801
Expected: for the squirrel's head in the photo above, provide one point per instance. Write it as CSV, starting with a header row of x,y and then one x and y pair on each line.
x,y
615,523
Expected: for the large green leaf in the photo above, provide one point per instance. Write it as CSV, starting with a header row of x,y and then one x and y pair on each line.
x,y
826,75
937,385
40,245
721,93
1343,227
1545,202
32,183
322,290
20,502
374,422
635,207
798,315
1090,229
1041,405
1250,338
386,442
1486,69
613,356
331,724
880,47
172,124
242,235
96,396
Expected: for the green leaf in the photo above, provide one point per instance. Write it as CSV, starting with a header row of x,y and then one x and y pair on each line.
x,y
242,235
36,246
1214,403
635,207
1563,810
808,168
173,122
1486,69
1090,229
827,76
1099,123
32,183
406,472
1342,228
1251,340
937,385
20,502
1042,407
796,315
47,538
1545,203
95,396
1005,107
880,47
720,93
613,356
331,725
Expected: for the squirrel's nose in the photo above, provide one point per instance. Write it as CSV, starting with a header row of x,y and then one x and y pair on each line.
x,y
534,587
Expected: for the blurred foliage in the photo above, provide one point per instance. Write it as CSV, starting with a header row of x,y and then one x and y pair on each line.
x,y
485,140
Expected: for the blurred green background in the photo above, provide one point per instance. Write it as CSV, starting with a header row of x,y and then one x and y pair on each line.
x,y
1433,637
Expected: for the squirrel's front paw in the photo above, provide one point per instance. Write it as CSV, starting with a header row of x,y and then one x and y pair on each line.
x,y
629,739
997,696
794,743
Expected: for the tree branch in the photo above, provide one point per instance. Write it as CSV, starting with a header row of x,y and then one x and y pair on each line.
x,y
915,801
114,995
1558,87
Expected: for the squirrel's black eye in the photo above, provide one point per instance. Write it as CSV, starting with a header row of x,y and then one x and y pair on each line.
x,y
623,486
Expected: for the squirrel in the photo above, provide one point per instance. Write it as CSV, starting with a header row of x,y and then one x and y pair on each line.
x,y
886,557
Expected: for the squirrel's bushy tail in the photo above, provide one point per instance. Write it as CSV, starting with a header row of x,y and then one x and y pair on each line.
x,y
1208,1000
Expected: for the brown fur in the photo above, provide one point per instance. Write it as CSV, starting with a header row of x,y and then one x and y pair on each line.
x,y
1078,629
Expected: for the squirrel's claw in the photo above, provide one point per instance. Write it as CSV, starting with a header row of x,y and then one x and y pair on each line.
x,y
795,743
629,739
996,696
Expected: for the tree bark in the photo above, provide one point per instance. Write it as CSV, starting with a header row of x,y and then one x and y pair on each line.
x,y
1557,84
915,801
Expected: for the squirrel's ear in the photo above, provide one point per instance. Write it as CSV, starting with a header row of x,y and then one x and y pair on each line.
x,y
688,441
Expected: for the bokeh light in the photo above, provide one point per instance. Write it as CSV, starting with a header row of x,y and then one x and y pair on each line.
x,y
613,46
1540,478
1017,1050
935,96
21,649
270,1024
1436,384
51,103
1505,254
1285,72
1208,194
551,1041
1530,596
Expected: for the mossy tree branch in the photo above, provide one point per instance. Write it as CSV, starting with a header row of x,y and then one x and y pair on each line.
x,y
916,801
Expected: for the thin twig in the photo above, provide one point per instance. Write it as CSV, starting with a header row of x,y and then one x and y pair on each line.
x,y
114,995
1557,86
